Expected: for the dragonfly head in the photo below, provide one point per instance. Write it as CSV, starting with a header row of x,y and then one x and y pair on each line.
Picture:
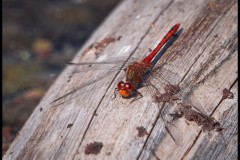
x,y
125,89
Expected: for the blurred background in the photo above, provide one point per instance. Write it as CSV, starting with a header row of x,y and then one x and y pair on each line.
x,y
39,37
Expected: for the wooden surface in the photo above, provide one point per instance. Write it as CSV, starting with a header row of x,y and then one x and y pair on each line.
x,y
204,55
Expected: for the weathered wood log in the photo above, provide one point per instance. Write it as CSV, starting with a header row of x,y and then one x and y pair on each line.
x,y
204,55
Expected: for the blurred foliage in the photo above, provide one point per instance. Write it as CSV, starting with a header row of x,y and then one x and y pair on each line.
x,y
39,37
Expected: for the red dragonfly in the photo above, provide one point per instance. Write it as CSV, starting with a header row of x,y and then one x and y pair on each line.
x,y
136,73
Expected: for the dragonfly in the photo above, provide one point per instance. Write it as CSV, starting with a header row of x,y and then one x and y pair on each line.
x,y
137,72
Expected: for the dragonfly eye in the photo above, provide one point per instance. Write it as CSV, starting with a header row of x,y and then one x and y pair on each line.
x,y
120,85
128,86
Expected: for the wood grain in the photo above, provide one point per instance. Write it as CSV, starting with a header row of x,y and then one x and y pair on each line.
x,y
204,56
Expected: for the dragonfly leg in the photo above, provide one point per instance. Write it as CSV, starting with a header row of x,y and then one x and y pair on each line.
x,y
115,93
137,97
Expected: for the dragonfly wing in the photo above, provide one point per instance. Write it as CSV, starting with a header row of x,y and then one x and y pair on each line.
x,y
113,64
82,86
167,77
162,74
186,96
174,132
170,128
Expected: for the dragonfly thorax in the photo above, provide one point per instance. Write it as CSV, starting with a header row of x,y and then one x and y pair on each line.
x,y
125,89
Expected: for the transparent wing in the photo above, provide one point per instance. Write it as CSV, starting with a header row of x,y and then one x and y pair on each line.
x,y
169,78
110,66
113,64
174,132
159,73
170,128
75,89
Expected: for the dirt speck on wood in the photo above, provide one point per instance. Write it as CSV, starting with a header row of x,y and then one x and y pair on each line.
x,y
69,125
227,94
93,148
141,131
